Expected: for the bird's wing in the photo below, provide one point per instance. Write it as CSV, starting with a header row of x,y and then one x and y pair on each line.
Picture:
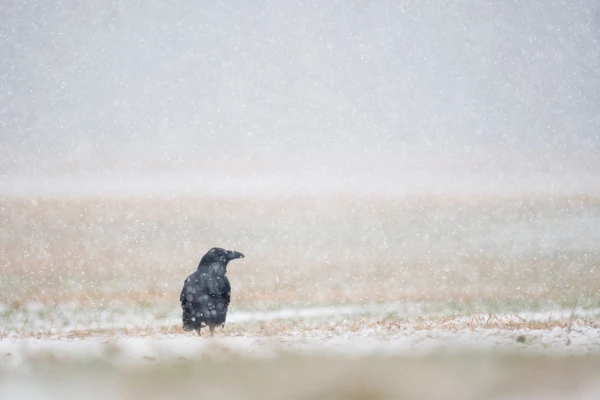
x,y
227,291
218,287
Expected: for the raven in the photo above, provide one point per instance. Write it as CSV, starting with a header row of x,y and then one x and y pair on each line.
x,y
206,293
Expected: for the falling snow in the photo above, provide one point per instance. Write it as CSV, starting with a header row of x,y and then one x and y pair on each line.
x,y
406,179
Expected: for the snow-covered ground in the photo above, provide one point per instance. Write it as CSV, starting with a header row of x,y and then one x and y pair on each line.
x,y
375,351
360,342
350,330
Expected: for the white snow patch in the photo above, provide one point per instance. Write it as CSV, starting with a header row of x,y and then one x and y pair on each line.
x,y
341,340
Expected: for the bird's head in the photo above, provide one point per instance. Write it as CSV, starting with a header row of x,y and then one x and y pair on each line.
x,y
219,256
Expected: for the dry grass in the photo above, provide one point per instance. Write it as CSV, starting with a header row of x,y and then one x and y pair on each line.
x,y
490,321
384,327
302,251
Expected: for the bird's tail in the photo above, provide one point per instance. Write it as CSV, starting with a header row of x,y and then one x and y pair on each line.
x,y
187,326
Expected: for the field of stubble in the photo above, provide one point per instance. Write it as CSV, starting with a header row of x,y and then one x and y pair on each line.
x,y
338,297
303,251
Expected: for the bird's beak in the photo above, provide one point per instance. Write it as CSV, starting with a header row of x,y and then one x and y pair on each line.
x,y
232,255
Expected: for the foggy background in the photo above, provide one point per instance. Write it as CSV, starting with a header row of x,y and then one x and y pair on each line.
x,y
284,97
415,185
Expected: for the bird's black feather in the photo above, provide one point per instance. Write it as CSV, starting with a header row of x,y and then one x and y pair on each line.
x,y
206,293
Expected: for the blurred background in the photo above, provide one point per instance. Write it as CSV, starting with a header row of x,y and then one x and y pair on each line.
x,y
266,97
357,152
396,173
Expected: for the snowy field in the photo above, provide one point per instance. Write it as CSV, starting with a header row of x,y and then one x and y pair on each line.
x,y
415,187
358,297
331,352
386,351
354,331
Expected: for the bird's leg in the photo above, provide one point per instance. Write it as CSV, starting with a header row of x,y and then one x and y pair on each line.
x,y
199,330
211,327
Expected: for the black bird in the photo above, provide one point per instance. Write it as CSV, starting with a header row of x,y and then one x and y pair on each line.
x,y
206,293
